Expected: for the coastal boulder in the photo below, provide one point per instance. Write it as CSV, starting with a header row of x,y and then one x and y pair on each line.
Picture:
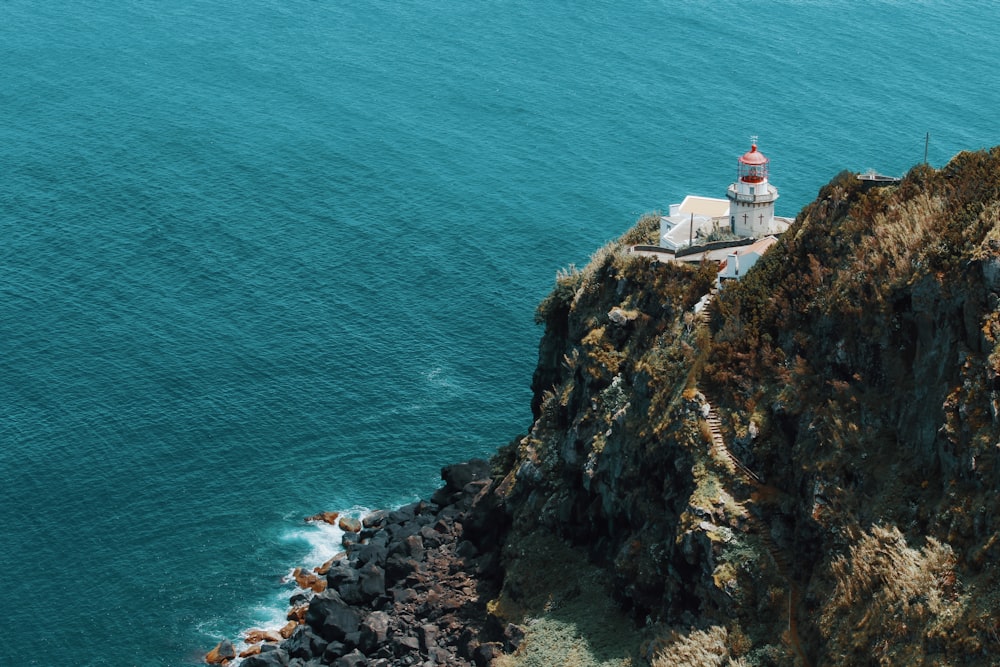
x,y
349,524
325,517
458,475
277,658
374,631
353,659
331,618
223,652
305,644
372,581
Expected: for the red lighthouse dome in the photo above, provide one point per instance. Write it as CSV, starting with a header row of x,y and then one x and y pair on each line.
x,y
753,166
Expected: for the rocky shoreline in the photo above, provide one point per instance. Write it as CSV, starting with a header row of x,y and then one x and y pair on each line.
x,y
410,588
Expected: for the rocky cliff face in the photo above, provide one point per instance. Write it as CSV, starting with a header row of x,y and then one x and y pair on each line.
x,y
845,510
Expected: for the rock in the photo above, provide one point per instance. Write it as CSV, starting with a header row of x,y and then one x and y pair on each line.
x,y
427,634
369,553
406,645
440,656
342,573
374,631
325,567
349,524
331,618
287,630
353,659
251,650
372,581
466,549
414,547
486,653
222,652
374,519
258,636
456,476
276,658
306,579
305,644
325,517
297,614
513,637
333,651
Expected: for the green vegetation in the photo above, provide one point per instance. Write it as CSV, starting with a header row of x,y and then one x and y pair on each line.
x,y
570,620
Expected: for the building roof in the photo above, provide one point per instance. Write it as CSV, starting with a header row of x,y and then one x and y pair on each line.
x,y
759,246
753,156
708,206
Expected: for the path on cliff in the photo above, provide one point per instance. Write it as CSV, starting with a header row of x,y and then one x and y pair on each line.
x,y
721,452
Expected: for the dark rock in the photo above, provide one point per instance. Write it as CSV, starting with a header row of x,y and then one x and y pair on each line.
x,y
374,519
399,567
353,659
487,653
414,546
342,573
334,650
456,476
351,593
406,645
427,634
269,656
440,656
444,496
513,637
372,581
305,644
399,532
369,553
466,549
430,536
331,617
402,515
374,631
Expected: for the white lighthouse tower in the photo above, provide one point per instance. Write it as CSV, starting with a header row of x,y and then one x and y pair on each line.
x,y
751,197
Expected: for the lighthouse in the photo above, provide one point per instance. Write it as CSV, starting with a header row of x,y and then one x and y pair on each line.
x,y
752,197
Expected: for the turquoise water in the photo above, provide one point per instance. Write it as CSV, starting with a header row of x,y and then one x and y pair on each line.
x,y
263,259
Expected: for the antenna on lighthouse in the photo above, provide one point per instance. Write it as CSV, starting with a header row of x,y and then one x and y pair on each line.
x,y
753,139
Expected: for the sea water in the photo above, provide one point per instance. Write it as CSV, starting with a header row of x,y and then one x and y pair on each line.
x,y
263,259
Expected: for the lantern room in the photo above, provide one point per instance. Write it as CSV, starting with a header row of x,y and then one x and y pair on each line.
x,y
753,166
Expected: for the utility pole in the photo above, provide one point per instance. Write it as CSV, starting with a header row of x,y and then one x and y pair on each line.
x,y
927,141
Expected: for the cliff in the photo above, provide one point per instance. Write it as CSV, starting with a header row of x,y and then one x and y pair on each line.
x,y
802,472
807,474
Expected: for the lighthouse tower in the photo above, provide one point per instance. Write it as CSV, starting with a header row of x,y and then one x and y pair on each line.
x,y
751,197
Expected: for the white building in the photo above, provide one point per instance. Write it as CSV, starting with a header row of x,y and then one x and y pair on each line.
x,y
747,211
738,262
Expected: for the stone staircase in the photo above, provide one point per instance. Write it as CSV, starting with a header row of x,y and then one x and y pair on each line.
x,y
738,470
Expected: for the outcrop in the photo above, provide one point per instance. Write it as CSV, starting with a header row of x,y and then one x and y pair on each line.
x,y
410,588
799,469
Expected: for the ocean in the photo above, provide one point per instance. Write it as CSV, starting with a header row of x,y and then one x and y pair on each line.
x,y
263,259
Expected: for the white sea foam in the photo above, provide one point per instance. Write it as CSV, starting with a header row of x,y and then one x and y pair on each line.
x,y
324,541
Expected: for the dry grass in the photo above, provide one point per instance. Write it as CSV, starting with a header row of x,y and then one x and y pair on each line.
x,y
698,648
891,602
